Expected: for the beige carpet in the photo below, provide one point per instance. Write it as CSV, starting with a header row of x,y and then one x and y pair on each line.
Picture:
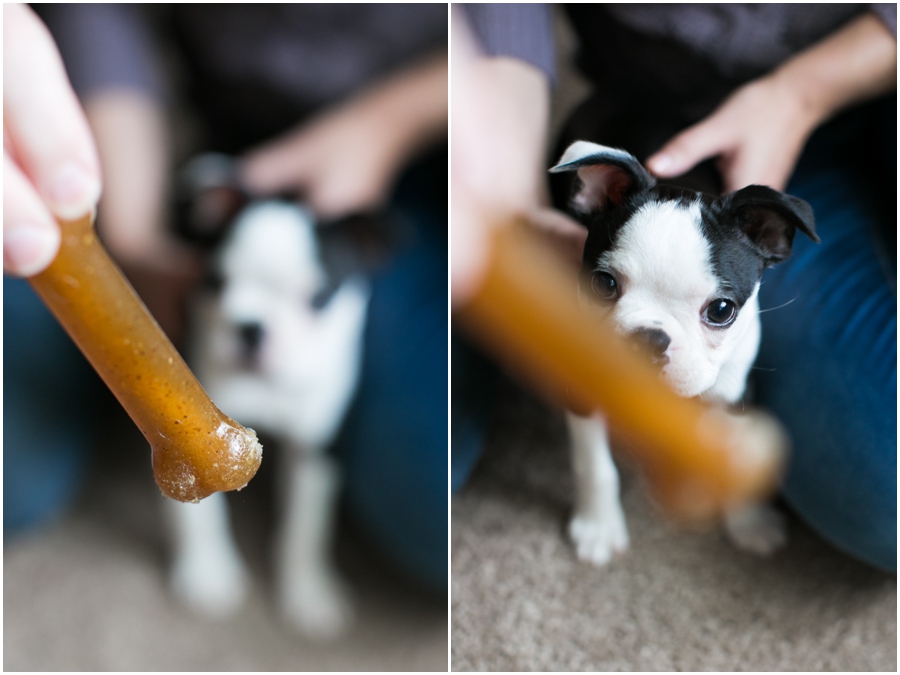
x,y
677,602
89,594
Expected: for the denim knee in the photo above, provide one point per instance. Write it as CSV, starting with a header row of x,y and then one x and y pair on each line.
x,y
828,364
394,444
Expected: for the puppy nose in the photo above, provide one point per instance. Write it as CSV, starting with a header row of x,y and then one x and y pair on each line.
x,y
250,335
654,341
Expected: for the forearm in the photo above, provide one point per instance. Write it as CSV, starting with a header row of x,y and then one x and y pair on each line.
x,y
500,113
132,140
854,64
411,105
503,118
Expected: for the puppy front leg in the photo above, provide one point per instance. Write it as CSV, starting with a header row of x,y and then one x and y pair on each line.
x,y
598,527
312,596
759,529
207,571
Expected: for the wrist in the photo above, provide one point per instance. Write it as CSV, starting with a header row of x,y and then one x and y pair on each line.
x,y
854,64
801,100
410,109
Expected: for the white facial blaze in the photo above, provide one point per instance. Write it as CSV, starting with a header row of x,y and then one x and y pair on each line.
x,y
661,262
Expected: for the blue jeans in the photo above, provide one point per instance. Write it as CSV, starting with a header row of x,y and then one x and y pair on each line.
x,y
394,444
474,383
49,392
828,360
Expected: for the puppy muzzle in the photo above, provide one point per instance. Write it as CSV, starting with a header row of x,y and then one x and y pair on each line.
x,y
653,342
250,336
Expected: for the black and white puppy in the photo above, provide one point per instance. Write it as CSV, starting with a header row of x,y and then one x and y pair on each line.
x,y
276,343
678,272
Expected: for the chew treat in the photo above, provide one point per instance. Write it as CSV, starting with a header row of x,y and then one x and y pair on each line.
x,y
196,449
698,461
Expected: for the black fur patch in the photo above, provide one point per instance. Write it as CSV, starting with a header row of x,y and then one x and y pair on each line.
x,y
735,262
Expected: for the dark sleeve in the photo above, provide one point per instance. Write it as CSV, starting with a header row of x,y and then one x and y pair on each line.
x,y
521,31
105,46
887,12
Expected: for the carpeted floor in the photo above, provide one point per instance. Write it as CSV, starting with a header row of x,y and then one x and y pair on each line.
x,y
677,602
89,594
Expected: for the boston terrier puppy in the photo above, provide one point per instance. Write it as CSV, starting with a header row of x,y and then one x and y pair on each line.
x,y
678,273
276,340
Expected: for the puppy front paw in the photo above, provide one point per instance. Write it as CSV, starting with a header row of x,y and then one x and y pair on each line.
x,y
210,585
758,529
317,606
598,538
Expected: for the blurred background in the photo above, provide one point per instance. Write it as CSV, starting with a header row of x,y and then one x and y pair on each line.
x,y
344,107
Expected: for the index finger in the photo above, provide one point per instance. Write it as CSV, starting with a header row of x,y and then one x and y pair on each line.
x,y
43,121
682,153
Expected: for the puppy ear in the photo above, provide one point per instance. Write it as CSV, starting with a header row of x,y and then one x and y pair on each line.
x,y
770,219
208,197
606,176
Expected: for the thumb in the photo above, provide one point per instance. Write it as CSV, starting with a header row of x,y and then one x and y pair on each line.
x,y
687,149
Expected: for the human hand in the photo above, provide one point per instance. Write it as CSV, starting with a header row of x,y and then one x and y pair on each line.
x,y
757,135
565,234
50,164
346,160
342,162
164,278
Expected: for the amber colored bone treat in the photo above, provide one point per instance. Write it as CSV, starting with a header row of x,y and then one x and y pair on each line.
x,y
698,461
196,449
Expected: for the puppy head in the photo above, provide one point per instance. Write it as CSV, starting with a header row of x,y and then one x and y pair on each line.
x,y
678,271
281,287
269,286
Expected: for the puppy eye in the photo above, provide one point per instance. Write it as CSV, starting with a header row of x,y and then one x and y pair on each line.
x,y
604,286
721,312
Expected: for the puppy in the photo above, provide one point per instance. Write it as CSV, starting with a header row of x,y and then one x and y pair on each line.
x,y
677,272
277,344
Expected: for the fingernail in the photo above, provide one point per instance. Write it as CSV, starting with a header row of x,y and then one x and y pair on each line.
x,y
73,192
661,163
29,247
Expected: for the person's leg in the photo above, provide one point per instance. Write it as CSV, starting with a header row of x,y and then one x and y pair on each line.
x,y
395,444
395,441
828,363
473,380
47,393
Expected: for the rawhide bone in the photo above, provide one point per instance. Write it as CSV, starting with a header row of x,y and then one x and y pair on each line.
x,y
196,449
